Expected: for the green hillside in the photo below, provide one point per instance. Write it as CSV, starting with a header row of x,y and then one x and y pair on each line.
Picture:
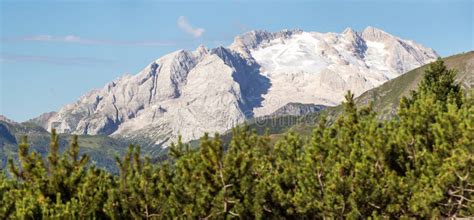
x,y
101,149
387,96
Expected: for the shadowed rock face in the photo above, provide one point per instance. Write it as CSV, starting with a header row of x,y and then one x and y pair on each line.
x,y
246,73
5,135
190,92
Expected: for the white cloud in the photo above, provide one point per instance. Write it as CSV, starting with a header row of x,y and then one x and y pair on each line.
x,y
49,38
41,38
4,58
185,26
79,40
72,38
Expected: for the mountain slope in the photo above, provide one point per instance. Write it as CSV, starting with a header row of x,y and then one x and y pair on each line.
x,y
190,92
385,98
43,119
297,109
101,149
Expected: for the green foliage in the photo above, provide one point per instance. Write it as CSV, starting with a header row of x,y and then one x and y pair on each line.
x,y
418,165
60,187
432,146
141,190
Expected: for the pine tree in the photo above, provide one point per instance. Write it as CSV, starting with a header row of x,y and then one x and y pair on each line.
x,y
280,184
142,191
7,196
426,139
59,187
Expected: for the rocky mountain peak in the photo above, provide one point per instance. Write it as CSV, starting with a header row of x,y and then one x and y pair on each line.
x,y
188,93
251,40
349,31
201,50
374,34
43,119
357,45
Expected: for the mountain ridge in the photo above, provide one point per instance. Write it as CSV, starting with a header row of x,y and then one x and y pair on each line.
x,y
188,93
385,98
103,148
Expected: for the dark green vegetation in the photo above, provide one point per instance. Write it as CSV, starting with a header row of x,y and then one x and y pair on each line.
x,y
418,164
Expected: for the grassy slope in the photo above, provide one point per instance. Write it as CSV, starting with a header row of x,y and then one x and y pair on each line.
x,y
101,149
387,96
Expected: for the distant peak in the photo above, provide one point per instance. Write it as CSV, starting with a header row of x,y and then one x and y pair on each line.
x,y
253,39
5,119
43,119
375,34
254,34
201,46
201,49
373,29
349,33
348,30
292,31
220,51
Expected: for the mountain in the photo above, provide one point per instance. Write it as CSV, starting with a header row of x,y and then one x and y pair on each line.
x,y
385,99
188,93
43,119
101,149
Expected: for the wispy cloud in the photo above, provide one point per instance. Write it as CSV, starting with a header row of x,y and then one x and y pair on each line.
x,y
54,60
80,40
185,26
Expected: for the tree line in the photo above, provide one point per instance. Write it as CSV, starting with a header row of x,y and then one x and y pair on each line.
x,y
416,165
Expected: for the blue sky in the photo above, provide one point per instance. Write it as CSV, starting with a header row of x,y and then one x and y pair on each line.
x,y
52,52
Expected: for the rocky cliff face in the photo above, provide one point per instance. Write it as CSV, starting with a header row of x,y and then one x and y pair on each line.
x,y
189,92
